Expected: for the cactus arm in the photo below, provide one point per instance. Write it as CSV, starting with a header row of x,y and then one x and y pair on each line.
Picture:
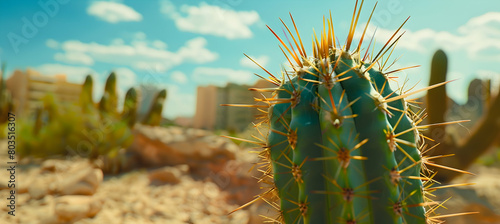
x,y
281,155
437,100
412,188
305,124
129,113
482,138
371,123
339,144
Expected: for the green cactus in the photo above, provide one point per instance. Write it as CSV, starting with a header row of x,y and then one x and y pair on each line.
x,y
467,149
6,104
109,100
130,107
38,121
343,146
154,116
86,101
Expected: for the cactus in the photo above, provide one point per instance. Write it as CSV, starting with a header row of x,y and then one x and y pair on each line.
x,y
154,116
86,101
467,150
109,100
6,104
130,107
343,146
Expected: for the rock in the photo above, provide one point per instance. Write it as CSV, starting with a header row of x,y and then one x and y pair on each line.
x,y
73,208
43,185
64,178
158,147
81,182
53,165
167,175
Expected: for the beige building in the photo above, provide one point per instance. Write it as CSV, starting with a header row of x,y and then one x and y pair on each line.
x,y
28,88
206,107
210,115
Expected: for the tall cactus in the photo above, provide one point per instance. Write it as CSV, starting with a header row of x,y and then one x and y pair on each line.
x,y
154,116
468,149
109,100
130,107
343,146
6,104
86,101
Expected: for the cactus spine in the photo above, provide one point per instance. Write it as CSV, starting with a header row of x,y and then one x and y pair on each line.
x,y
343,146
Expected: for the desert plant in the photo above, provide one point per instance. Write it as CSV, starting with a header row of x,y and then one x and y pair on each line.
x,y
154,116
109,101
343,146
465,150
66,129
6,104
86,101
129,112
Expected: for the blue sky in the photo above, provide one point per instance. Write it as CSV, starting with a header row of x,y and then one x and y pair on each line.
x,y
179,45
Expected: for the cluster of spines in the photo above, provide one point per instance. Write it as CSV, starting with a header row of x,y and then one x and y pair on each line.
x,y
349,123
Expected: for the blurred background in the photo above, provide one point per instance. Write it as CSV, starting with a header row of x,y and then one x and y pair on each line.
x,y
117,102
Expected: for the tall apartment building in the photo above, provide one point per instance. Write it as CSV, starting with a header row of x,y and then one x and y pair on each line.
x,y
210,115
28,88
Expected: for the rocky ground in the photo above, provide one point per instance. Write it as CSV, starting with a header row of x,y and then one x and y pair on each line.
x,y
177,175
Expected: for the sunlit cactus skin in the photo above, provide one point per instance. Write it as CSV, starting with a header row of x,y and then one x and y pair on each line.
x,y
343,146
281,153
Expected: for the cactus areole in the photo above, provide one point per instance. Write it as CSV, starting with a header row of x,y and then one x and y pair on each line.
x,y
343,145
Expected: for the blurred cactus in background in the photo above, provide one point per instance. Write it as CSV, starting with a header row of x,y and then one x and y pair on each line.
x,y
86,129
153,116
129,114
484,131
6,104
86,101
109,101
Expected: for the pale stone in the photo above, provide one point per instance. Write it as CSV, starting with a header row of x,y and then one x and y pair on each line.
x,y
83,182
71,208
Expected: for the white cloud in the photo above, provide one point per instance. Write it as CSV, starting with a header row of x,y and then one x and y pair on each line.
x,y
113,12
262,60
220,76
140,35
74,58
211,19
140,54
118,41
195,51
478,38
179,77
52,43
159,44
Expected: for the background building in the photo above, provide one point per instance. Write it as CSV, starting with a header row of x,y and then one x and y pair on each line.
x,y
210,115
28,88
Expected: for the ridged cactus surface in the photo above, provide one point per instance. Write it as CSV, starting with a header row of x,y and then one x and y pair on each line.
x,y
343,145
